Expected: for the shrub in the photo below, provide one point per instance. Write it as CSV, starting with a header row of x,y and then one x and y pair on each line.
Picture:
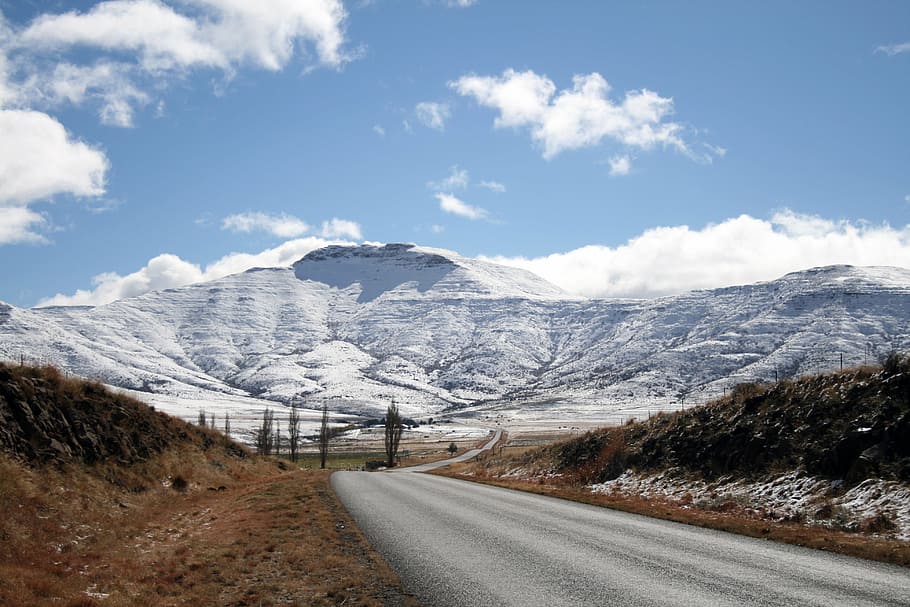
x,y
179,483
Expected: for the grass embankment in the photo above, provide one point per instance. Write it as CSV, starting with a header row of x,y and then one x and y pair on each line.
x,y
847,430
185,518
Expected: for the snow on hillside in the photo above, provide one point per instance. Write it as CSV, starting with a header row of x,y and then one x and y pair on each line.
x,y
359,327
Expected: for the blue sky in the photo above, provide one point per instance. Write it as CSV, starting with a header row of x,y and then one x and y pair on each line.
x,y
616,148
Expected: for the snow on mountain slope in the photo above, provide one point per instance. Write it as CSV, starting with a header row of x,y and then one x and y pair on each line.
x,y
360,326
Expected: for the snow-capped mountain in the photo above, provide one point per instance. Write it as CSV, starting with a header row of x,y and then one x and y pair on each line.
x,y
360,326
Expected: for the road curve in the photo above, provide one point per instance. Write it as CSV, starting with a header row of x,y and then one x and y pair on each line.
x,y
458,458
463,544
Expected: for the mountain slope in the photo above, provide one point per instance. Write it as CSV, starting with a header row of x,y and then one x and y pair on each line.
x,y
359,326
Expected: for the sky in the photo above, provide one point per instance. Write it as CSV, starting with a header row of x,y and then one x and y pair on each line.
x,y
618,149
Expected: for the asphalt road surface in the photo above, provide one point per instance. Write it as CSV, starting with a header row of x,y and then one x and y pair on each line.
x,y
463,544
471,454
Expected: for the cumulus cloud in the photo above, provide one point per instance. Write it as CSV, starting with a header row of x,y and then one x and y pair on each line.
x,y
741,250
433,115
38,160
281,225
114,52
341,228
170,271
379,130
457,179
21,224
451,204
894,49
578,117
211,33
460,3
110,56
620,165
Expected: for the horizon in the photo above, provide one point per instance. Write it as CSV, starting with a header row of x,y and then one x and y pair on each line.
x,y
616,151
450,253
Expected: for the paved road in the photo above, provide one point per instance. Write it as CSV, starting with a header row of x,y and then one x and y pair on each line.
x,y
456,543
458,458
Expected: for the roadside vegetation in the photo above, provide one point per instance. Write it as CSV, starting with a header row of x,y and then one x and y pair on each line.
x,y
108,502
821,461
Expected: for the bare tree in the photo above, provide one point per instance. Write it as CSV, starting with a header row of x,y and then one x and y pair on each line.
x,y
324,436
293,432
393,430
201,420
277,440
264,436
227,424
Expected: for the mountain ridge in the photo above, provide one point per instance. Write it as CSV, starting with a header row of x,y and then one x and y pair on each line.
x,y
358,327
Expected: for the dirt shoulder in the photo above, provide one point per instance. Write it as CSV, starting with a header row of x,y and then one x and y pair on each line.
x,y
271,538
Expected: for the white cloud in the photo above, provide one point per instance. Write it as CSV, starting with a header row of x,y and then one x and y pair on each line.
x,y
126,47
288,226
20,224
451,204
458,179
620,165
741,250
379,130
169,271
460,3
7,93
341,228
437,229
114,52
493,186
38,160
107,83
212,33
907,198
894,49
282,225
161,37
580,117
433,115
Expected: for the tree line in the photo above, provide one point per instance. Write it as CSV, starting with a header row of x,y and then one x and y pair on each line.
x,y
268,439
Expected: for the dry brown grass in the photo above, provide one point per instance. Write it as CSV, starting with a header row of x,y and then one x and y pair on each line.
x,y
78,537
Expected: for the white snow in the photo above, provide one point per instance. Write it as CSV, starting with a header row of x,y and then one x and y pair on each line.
x,y
790,496
361,327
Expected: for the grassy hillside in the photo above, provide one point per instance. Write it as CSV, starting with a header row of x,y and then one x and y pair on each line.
x,y
108,502
846,426
822,461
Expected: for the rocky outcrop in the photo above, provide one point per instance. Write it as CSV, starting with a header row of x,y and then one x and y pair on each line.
x,y
47,417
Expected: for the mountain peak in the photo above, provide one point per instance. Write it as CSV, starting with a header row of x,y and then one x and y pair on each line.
x,y
382,268
393,252
376,268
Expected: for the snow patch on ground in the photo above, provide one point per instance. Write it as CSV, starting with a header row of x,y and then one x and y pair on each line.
x,y
788,497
